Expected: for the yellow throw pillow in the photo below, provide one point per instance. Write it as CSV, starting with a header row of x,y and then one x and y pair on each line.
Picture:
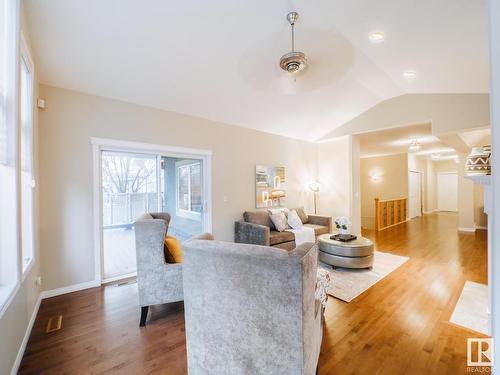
x,y
173,250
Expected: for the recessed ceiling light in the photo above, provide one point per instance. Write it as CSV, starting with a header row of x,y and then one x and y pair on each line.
x,y
376,37
410,74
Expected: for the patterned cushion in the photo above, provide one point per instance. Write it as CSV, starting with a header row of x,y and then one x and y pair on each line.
x,y
278,210
279,221
294,220
302,214
258,217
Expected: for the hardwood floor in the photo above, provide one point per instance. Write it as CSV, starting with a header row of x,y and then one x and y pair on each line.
x,y
399,326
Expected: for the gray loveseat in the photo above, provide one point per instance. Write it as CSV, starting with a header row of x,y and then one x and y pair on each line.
x,y
257,228
251,309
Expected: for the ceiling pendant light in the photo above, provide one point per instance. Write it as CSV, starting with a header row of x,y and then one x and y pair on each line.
x,y
294,61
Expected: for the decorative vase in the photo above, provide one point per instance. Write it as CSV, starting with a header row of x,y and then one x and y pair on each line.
x,y
478,162
343,231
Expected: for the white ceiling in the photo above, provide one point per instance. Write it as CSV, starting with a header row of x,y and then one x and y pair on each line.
x,y
477,137
219,59
396,141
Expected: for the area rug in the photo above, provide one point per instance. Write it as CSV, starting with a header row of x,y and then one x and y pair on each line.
x,y
471,310
347,284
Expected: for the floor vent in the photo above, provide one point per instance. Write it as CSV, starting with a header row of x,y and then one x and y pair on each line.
x,y
54,323
123,283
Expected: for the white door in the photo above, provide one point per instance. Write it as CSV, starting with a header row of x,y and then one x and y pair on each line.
x,y
415,195
447,186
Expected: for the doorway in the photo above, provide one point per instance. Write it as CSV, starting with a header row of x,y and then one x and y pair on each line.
x,y
415,194
133,179
447,191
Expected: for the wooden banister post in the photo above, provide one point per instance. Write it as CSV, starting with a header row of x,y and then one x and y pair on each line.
x,y
377,214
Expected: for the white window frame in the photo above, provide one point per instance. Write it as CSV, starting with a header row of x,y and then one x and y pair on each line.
x,y
100,144
10,270
188,214
25,57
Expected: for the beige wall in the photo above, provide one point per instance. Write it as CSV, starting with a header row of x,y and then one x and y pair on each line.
x,y
480,218
384,177
465,199
355,190
430,185
14,322
419,164
448,113
72,118
334,173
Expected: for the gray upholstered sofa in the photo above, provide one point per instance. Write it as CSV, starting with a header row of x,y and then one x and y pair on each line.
x,y
251,309
158,281
257,228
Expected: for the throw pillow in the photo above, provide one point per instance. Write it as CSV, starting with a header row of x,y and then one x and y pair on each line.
x,y
273,211
294,220
302,214
172,249
279,221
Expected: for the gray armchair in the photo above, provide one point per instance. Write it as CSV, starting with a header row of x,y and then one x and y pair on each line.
x,y
158,282
251,309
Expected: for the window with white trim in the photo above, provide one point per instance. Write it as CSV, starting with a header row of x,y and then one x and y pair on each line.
x,y
9,246
189,190
27,182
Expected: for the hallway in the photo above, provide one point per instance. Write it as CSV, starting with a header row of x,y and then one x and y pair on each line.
x,y
401,324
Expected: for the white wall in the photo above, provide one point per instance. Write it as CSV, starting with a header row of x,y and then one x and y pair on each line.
x,y
72,118
494,235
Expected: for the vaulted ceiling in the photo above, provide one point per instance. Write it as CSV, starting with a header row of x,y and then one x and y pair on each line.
x,y
219,59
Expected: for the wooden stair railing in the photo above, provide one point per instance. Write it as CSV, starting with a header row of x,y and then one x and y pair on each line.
x,y
389,213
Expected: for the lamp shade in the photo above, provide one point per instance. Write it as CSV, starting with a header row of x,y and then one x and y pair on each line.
x,y
315,186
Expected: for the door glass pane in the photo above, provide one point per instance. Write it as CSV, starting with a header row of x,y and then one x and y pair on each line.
x,y
129,189
182,196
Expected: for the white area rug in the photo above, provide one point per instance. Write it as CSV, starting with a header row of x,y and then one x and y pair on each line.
x,y
347,284
471,310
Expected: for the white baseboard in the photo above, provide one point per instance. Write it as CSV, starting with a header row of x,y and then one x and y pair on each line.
x,y
470,230
26,337
118,278
430,212
43,295
70,289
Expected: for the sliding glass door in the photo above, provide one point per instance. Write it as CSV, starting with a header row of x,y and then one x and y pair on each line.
x,y
129,189
136,183
182,195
